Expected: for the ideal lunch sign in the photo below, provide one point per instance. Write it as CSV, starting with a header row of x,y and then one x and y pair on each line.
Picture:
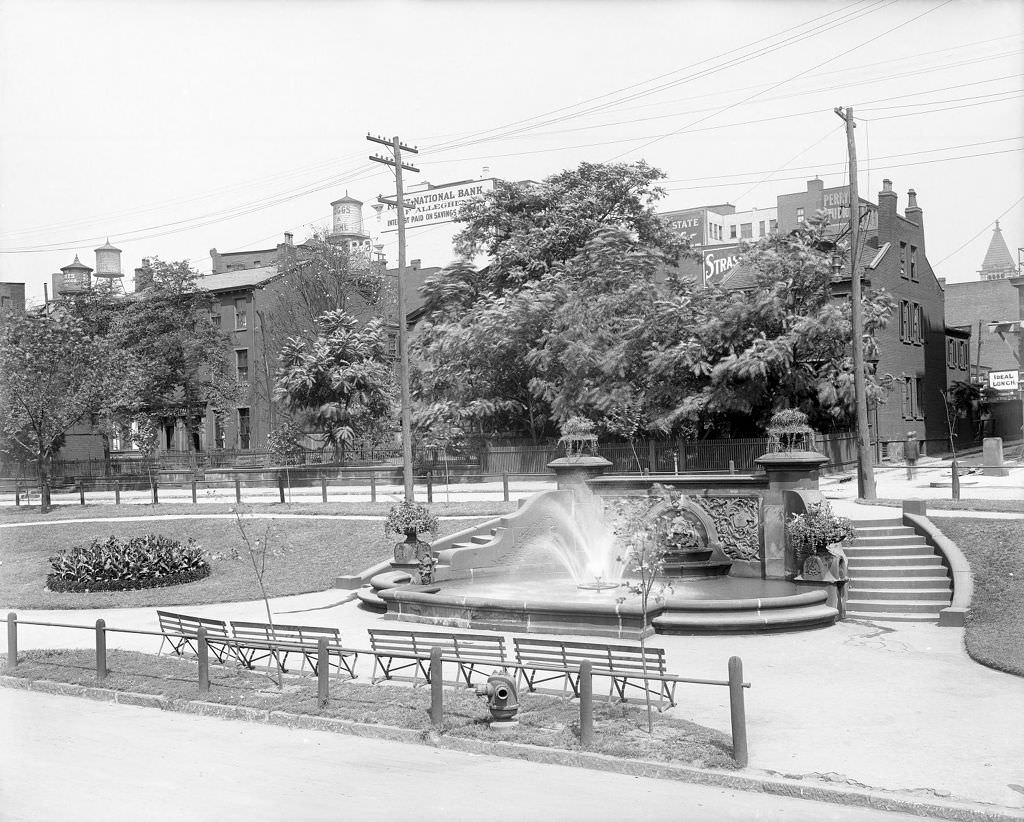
x,y
436,205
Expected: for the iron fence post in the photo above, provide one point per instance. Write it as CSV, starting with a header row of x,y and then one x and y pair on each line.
x,y
12,641
436,686
101,650
737,711
323,670
203,652
586,703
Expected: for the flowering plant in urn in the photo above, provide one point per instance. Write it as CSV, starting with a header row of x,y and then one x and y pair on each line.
x,y
813,531
412,519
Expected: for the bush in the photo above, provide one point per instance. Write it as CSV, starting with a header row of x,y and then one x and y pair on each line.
x,y
115,564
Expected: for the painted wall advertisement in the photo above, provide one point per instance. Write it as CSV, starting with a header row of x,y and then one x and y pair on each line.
x,y
438,204
836,206
687,224
718,260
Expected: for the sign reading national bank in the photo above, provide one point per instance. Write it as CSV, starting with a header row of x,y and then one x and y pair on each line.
x,y
439,204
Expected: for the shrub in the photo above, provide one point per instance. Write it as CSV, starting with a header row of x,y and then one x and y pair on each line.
x,y
816,529
117,564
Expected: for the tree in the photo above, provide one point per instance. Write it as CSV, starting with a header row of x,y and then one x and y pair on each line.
x,y
315,277
784,343
53,376
341,383
480,328
186,359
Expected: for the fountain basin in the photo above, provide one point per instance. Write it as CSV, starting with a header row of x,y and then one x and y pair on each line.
x,y
554,605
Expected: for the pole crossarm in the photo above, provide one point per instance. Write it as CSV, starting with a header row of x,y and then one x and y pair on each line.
x,y
389,162
384,141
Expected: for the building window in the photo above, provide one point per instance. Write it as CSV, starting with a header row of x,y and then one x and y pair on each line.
x,y
962,355
951,352
218,431
903,260
241,317
773,225
917,324
913,263
904,321
760,229
215,321
746,230
242,364
732,232
918,398
799,215
243,427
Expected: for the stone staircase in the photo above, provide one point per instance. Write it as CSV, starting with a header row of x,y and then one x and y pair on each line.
x,y
895,574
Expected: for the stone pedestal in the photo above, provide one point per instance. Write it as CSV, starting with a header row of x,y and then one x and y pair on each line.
x,y
787,471
992,457
575,472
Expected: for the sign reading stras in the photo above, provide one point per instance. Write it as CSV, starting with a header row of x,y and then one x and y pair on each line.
x,y
436,205
1004,380
719,260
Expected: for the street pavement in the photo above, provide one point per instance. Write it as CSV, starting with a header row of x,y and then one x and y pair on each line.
x,y
78,760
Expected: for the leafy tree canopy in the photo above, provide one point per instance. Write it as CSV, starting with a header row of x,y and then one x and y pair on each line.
x,y
341,383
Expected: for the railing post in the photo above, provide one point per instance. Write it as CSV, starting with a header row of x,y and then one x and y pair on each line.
x,y
737,711
238,490
373,487
436,688
156,495
323,672
504,485
194,500
117,492
203,652
586,703
280,487
323,488
81,493
430,486
101,650
12,641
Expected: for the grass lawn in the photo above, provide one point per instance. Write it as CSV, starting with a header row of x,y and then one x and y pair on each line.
x,y
619,730
1013,506
315,550
995,623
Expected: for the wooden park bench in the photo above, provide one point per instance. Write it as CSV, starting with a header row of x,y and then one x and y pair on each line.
x,y
622,664
257,641
182,630
397,650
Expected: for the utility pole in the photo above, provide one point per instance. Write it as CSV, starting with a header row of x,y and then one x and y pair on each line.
x,y
395,161
865,466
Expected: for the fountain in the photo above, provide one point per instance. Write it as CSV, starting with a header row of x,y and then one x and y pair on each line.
x,y
555,565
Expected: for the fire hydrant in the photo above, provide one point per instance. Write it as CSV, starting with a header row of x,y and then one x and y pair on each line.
x,y
502,700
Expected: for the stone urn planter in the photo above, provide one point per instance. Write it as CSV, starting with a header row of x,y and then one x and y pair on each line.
x,y
412,555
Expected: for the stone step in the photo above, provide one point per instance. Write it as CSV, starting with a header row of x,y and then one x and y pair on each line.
x,y
879,551
771,619
902,561
882,522
904,594
885,531
888,616
909,582
481,539
868,542
905,571
896,606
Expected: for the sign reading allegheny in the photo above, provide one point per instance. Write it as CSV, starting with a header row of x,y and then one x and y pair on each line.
x,y
1004,380
438,204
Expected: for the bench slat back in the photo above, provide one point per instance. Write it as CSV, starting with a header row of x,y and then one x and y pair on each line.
x,y
264,631
619,658
468,646
189,625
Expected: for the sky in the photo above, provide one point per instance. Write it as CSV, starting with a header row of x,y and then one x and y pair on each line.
x,y
177,127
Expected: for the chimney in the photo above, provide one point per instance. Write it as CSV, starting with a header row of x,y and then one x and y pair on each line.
x,y
143,276
288,238
886,213
415,264
914,213
817,184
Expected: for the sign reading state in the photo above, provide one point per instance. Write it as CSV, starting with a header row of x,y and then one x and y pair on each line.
x,y
436,205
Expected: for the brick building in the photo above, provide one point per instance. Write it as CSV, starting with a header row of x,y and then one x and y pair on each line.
x,y
12,299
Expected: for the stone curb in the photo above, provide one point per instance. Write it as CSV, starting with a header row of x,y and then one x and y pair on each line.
x,y
751,780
